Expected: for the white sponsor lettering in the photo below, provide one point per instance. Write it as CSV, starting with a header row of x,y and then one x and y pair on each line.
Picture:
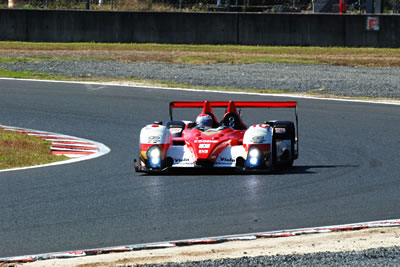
x,y
206,141
257,139
204,146
203,151
280,130
154,139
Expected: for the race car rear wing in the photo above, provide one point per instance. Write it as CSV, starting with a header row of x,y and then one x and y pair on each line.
x,y
239,104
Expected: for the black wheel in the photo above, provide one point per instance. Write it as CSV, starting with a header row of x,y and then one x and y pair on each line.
x,y
285,161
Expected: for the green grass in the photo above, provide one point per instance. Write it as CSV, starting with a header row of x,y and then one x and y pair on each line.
x,y
22,150
31,75
10,60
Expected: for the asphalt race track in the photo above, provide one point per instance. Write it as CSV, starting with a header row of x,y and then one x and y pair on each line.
x,y
348,171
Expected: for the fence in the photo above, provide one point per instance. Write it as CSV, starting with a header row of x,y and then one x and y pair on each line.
x,y
267,6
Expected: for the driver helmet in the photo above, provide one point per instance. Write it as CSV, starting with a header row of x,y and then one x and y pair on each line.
x,y
204,120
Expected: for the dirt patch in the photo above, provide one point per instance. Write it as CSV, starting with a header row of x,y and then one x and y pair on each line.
x,y
312,243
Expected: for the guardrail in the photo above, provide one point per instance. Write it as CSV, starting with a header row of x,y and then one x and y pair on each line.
x,y
200,28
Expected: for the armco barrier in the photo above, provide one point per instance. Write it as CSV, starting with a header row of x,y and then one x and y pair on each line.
x,y
293,29
86,26
197,28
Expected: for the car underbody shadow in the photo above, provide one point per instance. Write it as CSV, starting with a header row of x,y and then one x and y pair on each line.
x,y
196,172
305,169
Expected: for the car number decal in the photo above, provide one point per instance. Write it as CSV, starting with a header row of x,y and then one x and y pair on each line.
x,y
204,145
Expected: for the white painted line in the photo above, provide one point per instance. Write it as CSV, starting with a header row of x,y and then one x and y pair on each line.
x,y
72,149
102,149
41,134
294,95
72,145
63,140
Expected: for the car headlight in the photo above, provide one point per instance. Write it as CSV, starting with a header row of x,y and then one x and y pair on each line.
x,y
155,162
253,161
155,153
154,156
254,156
254,153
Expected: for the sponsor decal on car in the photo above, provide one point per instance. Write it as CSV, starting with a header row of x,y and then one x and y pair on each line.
x,y
280,130
206,141
227,159
181,160
259,139
211,132
204,146
154,139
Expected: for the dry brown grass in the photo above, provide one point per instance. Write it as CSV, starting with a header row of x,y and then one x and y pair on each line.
x,y
20,150
203,54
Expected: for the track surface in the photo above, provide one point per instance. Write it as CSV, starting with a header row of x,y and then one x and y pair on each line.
x,y
348,171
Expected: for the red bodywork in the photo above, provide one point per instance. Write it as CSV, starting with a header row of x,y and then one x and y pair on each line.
x,y
207,145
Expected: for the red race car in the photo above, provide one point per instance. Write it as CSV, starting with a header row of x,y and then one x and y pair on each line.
x,y
229,143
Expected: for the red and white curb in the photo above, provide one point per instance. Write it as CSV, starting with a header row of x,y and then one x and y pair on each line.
x,y
77,149
206,240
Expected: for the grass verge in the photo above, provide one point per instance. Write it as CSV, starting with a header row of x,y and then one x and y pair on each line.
x,y
41,76
202,54
22,150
